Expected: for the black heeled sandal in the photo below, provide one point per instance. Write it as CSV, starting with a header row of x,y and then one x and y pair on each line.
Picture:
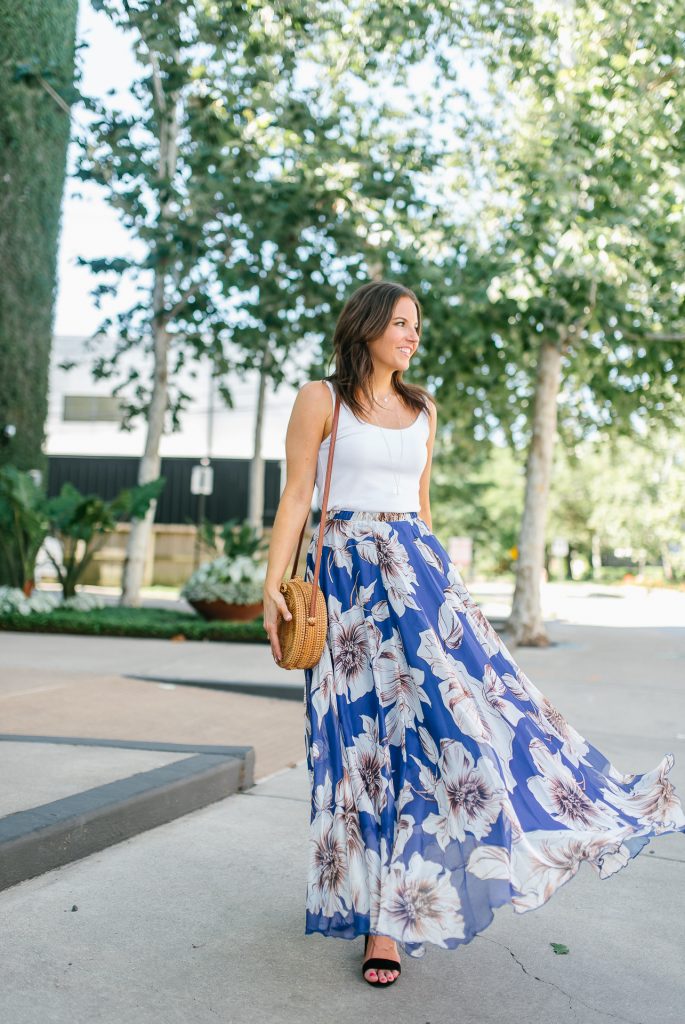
x,y
379,963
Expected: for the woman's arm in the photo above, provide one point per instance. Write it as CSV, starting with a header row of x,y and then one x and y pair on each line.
x,y
302,440
424,483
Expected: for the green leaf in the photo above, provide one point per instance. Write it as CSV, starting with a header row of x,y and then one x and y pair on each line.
x,y
559,948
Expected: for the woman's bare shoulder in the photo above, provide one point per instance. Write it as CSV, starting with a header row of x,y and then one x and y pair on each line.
x,y
314,395
311,410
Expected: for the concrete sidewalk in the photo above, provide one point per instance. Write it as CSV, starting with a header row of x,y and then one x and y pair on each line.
x,y
89,758
201,918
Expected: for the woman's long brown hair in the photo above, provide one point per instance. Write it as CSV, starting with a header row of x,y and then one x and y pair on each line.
x,y
364,317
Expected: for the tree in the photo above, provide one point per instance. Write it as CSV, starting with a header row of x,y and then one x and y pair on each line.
x,y
600,482
37,45
572,275
252,197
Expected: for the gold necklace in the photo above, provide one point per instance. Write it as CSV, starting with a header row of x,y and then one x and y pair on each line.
x,y
387,398
392,464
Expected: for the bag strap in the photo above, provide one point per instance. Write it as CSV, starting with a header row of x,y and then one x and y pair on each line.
x,y
324,502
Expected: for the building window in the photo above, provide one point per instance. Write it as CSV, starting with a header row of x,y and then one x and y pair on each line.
x,y
92,408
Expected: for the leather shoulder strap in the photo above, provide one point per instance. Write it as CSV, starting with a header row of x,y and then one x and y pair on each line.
x,y
324,503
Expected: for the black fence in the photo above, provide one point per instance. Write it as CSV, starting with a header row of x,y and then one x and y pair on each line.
x,y
107,475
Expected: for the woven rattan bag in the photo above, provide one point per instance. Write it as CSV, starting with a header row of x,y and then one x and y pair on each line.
x,y
302,638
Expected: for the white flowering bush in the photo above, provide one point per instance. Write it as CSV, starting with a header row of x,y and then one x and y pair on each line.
x,y
238,580
13,600
83,602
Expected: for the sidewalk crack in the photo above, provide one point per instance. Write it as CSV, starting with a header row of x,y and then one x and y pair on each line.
x,y
569,995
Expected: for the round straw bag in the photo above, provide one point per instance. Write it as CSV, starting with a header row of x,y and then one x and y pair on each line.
x,y
302,638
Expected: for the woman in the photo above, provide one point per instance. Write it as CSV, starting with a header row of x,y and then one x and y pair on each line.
x,y
444,783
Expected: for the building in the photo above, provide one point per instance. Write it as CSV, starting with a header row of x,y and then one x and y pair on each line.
x,y
86,446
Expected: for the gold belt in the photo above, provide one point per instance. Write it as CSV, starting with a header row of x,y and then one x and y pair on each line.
x,y
385,516
391,515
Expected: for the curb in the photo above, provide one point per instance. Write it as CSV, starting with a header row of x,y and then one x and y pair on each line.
x,y
42,838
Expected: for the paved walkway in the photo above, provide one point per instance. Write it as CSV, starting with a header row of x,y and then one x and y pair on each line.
x,y
113,707
202,918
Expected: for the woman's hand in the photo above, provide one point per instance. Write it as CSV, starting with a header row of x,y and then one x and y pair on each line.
x,y
274,607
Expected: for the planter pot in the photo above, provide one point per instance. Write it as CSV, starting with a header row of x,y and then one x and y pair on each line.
x,y
28,588
228,612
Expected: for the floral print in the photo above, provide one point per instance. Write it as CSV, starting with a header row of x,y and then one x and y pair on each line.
x,y
469,795
444,783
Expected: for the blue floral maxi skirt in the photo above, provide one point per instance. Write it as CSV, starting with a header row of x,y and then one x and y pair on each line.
x,y
444,783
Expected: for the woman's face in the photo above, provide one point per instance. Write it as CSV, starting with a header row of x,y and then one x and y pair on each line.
x,y
399,341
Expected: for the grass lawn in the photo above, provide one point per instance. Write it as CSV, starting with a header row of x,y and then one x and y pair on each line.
x,y
150,622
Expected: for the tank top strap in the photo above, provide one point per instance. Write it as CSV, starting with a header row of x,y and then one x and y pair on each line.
x,y
344,411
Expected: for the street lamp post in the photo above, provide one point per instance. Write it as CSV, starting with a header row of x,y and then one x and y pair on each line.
x,y
201,484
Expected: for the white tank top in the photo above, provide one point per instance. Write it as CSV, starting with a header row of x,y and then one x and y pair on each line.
x,y
375,469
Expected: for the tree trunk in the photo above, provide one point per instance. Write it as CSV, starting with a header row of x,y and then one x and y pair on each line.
x,y
569,563
596,560
666,563
255,507
525,621
141,529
